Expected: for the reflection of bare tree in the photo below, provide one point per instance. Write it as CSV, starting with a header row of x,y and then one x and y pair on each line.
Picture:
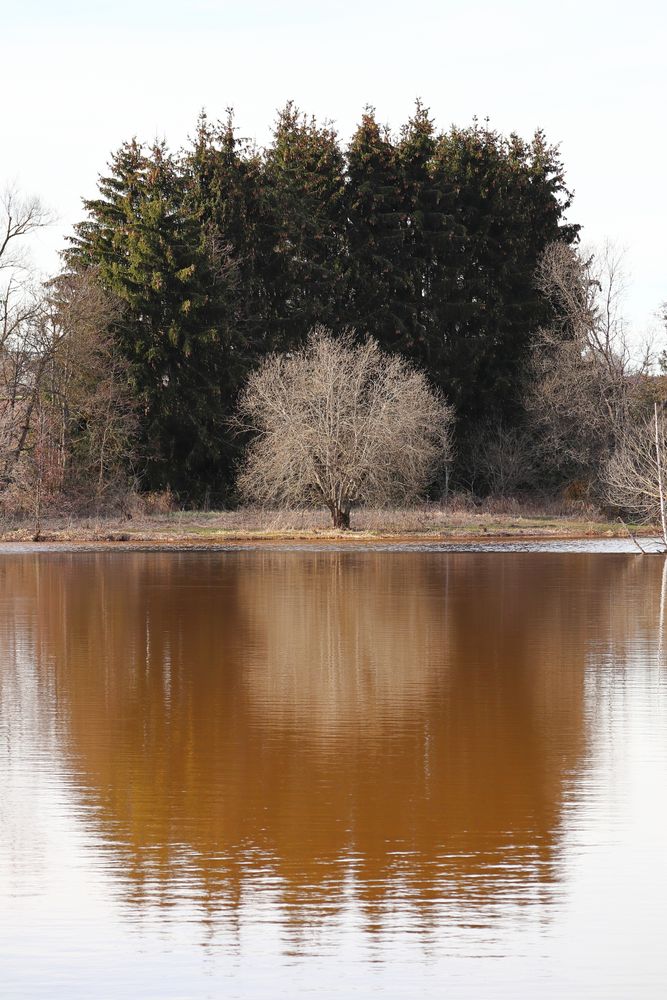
x,y
344,642
413,719
661,617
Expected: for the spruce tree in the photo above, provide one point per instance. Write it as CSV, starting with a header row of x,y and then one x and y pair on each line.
x,y
149,252
377,282
428,242
227,195
509,201
427,226
306,181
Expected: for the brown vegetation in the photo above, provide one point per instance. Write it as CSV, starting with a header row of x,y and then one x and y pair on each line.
x,y
67,415
586,388
461,519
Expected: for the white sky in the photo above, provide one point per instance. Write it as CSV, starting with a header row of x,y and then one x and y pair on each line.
x,y
77,77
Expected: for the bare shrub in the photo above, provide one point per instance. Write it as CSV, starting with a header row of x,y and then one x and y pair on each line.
x,y
504,459
461,501
150,504
338,424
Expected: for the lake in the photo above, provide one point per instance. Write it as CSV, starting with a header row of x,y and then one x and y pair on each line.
x,y
272,774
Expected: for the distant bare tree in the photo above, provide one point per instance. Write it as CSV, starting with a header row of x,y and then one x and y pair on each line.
x,y
22,359
585,384
504,459
93,410
339,424
67,416
19,218
635,476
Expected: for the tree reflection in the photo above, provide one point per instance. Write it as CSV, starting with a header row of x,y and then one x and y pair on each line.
x,y
386,725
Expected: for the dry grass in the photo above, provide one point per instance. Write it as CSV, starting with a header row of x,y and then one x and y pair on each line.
x,y
460,519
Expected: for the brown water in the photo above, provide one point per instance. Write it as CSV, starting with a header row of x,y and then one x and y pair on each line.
x,y
333,775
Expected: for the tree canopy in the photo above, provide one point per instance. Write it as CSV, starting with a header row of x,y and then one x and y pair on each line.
x,y
426,241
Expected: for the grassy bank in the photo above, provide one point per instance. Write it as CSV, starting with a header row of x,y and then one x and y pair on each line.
x,y
506,519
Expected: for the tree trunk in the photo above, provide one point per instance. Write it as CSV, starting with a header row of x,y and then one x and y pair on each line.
x,y
658,458
340,518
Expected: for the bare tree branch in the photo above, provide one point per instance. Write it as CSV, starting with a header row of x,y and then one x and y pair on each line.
x,y
585,386
634,475
19,218
338,424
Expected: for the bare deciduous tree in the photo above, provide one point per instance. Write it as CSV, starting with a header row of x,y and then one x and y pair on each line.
x,y
94,413
67,416
585,385
338,424
21,326
635,476
19,218
504,459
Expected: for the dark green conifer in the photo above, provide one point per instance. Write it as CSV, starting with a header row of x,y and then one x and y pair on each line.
x,y
174,330
377,282
427,242
305,173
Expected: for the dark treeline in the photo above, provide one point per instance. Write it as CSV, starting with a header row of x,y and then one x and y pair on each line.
x,y
426,240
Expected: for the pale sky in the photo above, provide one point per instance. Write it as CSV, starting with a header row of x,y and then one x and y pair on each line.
x,y
77,77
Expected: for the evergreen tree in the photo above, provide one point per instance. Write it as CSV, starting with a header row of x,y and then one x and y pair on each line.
x,y
427,223
227,195
427,242
509,200
377,283
149,252
306,181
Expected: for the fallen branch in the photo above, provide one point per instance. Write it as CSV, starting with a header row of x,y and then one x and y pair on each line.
x,y
643,551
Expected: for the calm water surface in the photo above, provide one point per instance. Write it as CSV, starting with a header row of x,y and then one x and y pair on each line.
x,y
333,774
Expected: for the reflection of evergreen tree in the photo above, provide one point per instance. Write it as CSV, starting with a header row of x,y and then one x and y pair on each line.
x,y
259,700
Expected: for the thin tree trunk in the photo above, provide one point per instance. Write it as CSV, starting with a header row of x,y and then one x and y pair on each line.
x,y
643,551
38,512
661,491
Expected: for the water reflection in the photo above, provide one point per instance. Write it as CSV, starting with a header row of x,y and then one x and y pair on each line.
x,y
398,730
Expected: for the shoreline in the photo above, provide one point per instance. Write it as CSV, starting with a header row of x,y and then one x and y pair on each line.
x,y
199,531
